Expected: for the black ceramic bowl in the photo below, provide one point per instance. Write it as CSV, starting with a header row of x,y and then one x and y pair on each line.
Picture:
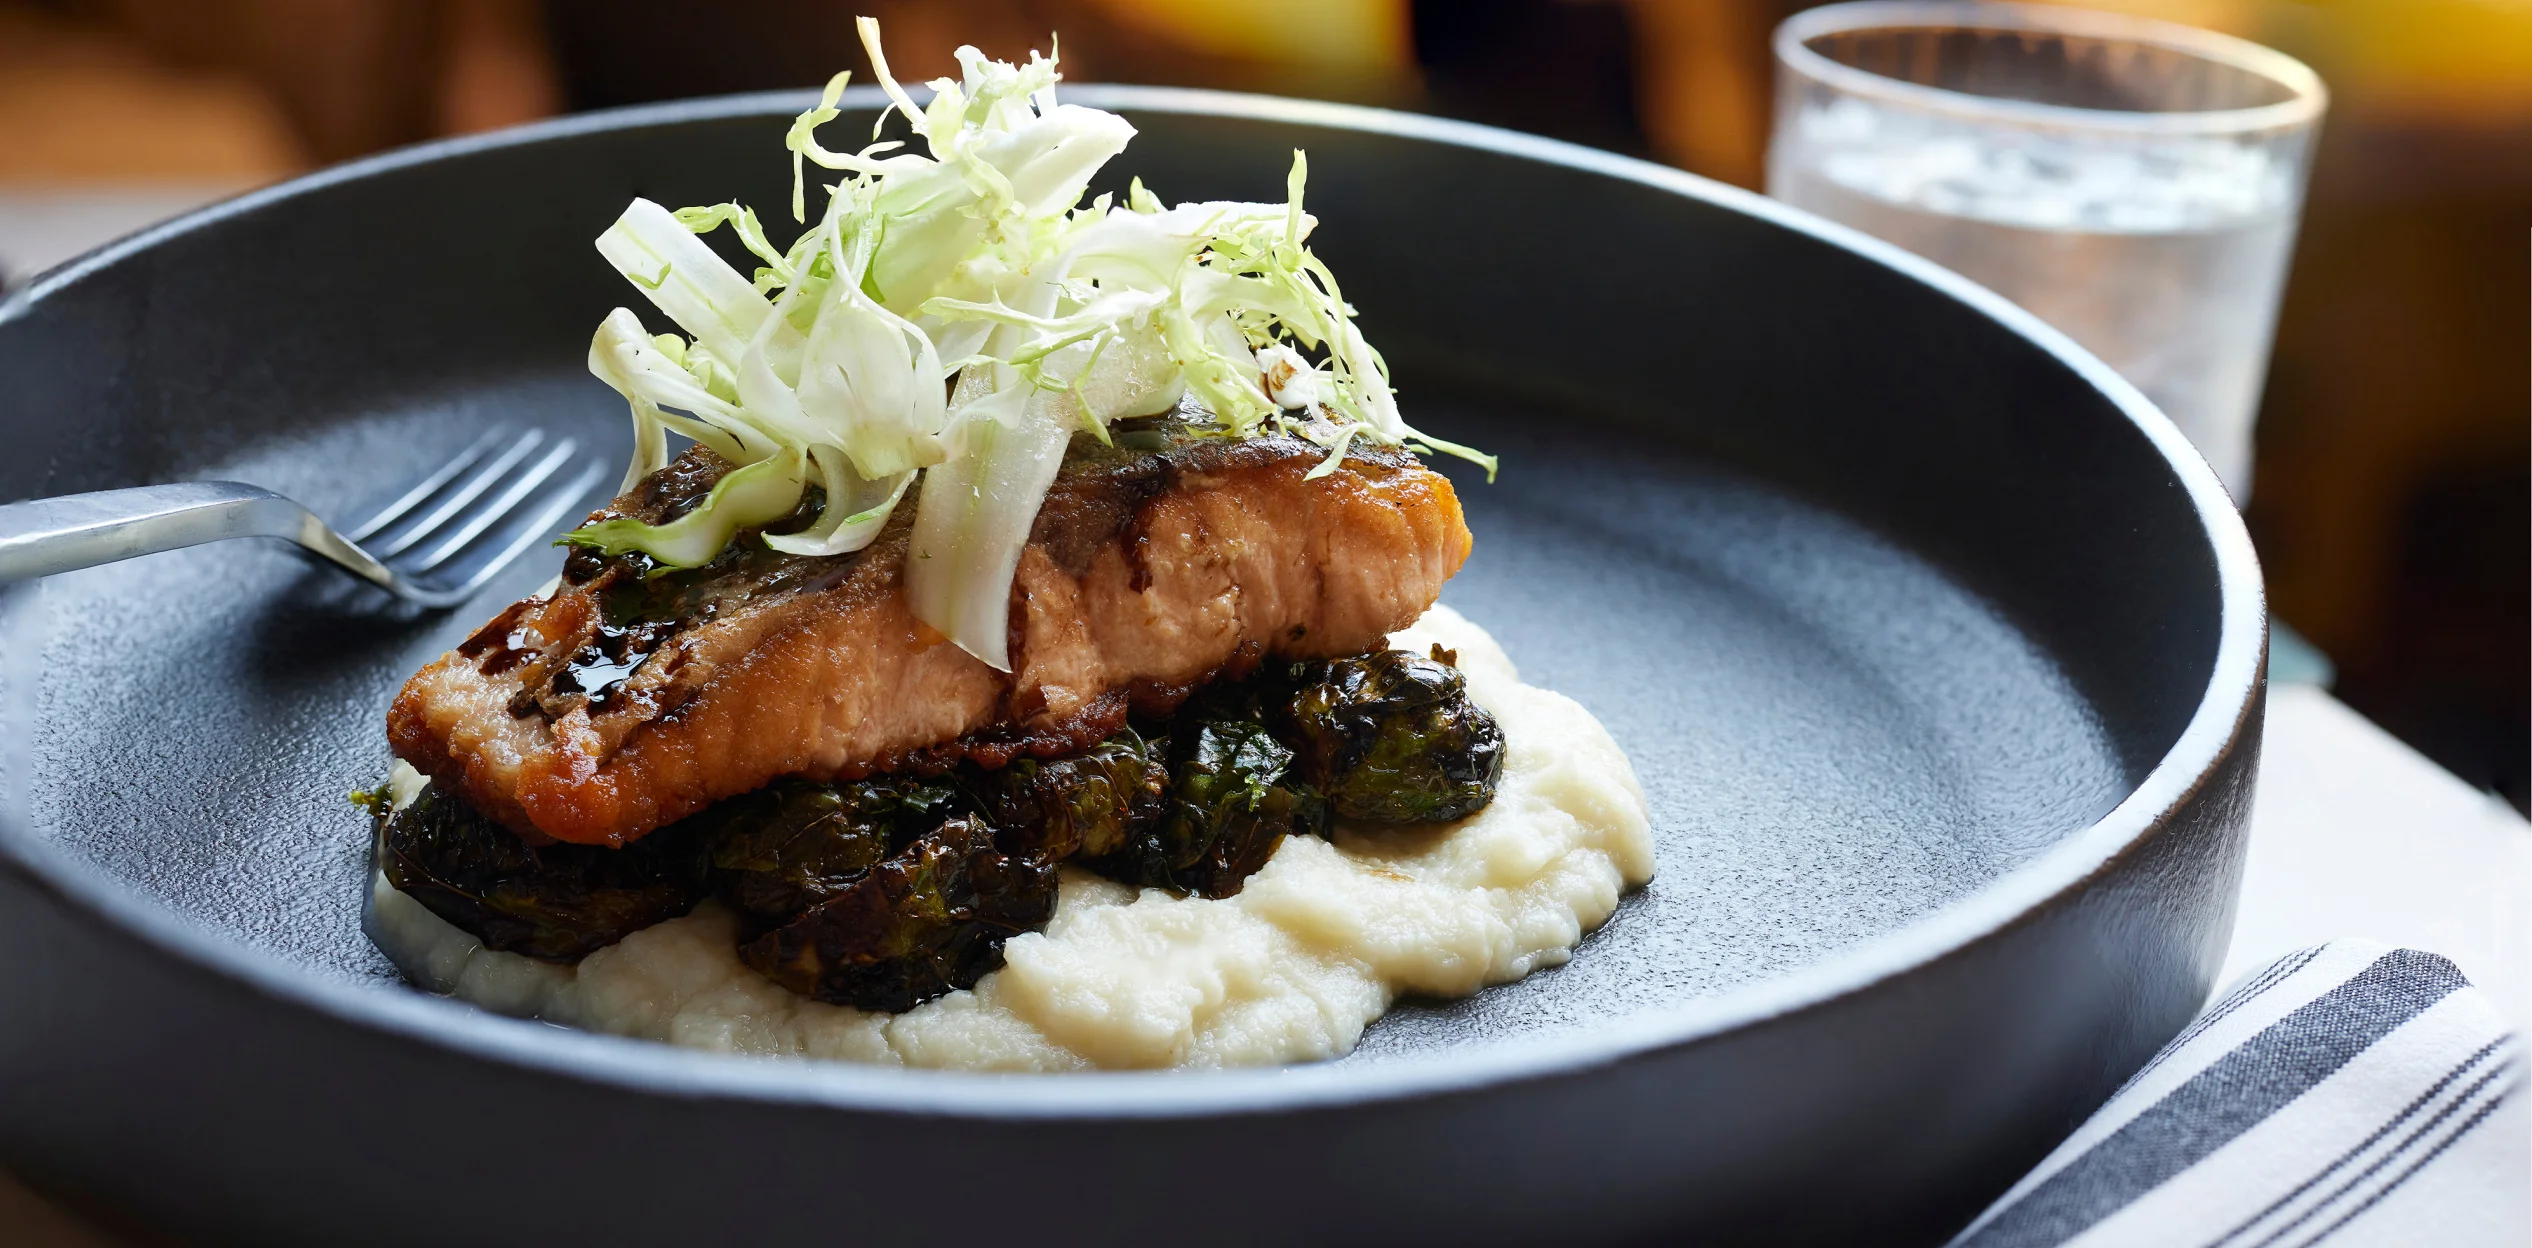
x,y
1938,650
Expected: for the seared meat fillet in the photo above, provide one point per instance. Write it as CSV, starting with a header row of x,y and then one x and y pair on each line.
x,y
624,701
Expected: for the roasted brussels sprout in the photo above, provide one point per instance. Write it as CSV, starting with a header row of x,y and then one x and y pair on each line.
x,y
1392,737
555,902
887,892
929,919
1229,805
1088,804
789,846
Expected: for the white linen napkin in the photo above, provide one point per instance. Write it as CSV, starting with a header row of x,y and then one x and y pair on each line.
x,y
2351,1095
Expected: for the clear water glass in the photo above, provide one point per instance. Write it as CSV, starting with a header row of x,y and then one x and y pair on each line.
x,y
2134,183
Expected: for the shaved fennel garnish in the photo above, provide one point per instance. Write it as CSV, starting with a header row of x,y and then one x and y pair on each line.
x,y
958,312
856,507
973,520
761,492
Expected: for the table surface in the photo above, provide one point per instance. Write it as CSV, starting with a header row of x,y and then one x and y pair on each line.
x,y
2352,832
2355,834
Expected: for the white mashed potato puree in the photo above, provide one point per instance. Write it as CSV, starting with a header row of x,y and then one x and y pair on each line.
x,y
1292,969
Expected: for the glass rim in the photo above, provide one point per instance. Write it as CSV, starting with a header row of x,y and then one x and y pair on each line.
x,y
2306,99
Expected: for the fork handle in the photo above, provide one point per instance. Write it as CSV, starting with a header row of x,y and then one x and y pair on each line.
x,y
42,536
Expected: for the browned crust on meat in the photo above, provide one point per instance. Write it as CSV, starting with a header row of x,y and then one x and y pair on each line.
x,y
1147,575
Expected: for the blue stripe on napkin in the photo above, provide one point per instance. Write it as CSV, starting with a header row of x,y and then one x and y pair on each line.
x,y
2177,1156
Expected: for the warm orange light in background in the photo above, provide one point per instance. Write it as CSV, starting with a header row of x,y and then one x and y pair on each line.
x,y
1349,35
1701,96
496,70
2465,58
246,91
80,104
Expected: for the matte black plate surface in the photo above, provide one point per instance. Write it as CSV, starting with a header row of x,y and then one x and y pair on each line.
x,y
1834,738
1891,597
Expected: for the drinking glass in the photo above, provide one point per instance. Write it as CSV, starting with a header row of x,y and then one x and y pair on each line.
x,y
2134,183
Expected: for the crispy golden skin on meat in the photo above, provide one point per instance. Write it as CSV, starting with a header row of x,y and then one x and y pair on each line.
x,y
625,702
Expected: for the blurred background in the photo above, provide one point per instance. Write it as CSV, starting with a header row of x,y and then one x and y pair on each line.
x,y
2393,508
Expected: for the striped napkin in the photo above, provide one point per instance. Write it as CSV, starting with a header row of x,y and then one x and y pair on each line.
x,y
2350,1095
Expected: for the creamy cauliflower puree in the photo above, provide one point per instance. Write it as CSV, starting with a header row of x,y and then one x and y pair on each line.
x,y
1314,948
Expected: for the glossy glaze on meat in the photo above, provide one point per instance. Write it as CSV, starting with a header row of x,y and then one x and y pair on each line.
x,y
626,701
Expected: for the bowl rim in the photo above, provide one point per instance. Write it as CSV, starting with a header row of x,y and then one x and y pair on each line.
x,y
651,1068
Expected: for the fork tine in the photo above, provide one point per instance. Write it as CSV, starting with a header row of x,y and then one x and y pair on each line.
x,y
465,495
429,485
543,522
499,507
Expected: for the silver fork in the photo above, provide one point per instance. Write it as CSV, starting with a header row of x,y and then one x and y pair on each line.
x,y
435,545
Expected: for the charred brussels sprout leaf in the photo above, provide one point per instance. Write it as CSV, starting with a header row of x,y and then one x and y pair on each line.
x,y
929,919
1229,805
887,892
790,846
555,902
1088,804
1393,738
